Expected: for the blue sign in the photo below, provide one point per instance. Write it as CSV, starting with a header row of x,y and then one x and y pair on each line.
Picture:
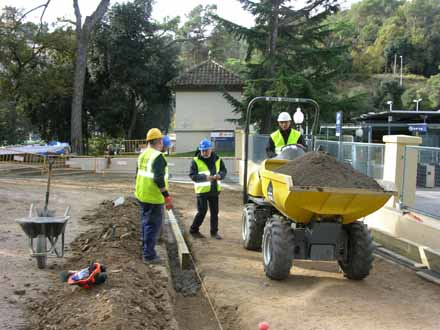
x,y
338,123
422,128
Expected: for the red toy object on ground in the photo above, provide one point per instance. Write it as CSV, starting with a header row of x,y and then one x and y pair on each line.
x,y
263,326
86,278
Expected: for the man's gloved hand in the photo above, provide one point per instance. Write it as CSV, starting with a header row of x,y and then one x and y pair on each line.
x,y
168,202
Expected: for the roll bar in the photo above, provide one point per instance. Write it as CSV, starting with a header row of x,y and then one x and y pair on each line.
x,y
248,120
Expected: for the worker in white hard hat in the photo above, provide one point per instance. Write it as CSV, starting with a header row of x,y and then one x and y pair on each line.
x,y
283,136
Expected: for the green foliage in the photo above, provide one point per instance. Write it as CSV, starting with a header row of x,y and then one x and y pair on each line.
x,y
203,38
132,58
430,93
382,30
195,32
290,54
388,90
35,80
97,145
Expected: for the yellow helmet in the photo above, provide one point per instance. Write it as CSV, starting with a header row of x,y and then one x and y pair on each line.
x,y
153,134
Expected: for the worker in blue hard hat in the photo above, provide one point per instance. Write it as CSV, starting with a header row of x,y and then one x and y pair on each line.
x,y
166,141
207,170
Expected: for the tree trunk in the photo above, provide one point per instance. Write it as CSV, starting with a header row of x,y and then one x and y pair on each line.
x,y
78,93
132,126
273,38
82,33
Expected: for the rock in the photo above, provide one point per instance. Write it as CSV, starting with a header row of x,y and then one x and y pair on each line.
x,y
12,301
20,292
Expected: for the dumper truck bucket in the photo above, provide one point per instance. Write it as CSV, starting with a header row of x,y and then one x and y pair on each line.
x,y
302,203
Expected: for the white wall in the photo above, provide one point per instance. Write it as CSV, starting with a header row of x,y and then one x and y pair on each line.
x,y
203,110
188,141
198,113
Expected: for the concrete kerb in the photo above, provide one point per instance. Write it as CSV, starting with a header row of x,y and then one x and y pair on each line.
x,y
408,249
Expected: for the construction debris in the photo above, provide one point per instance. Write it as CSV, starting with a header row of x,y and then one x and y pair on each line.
x,y
136,296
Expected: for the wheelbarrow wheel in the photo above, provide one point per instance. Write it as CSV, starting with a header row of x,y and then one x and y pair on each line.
x,y
278,242
251,230
359,260
41,248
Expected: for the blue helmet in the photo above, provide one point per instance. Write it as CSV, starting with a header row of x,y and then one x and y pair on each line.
x,y
166,141
205,144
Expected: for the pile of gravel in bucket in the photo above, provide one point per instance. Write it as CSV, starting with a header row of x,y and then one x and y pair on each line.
x,y
319,169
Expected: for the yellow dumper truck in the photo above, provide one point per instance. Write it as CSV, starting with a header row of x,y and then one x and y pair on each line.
x,y
291,222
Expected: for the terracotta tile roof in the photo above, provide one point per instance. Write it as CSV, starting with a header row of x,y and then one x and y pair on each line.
x,y
207,75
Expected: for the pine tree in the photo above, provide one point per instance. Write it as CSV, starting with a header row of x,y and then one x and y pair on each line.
x,y
289,54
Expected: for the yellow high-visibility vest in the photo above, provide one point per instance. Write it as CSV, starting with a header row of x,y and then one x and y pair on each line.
x,y
278,139
202,168
147,190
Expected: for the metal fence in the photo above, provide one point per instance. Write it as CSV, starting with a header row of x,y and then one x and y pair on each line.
x,y
257,147
427,194
367,158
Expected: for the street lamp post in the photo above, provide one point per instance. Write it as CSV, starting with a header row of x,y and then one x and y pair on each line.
x,y
417,103
401,70
390,118
390,103
298,118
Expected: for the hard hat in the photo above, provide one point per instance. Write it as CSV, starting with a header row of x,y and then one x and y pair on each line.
x,y
153,134
166,141
284,116
205,144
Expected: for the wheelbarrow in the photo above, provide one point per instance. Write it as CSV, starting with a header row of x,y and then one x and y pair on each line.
x,y
42,226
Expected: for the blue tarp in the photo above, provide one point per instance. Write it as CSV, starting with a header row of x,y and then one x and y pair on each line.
x,y
52,147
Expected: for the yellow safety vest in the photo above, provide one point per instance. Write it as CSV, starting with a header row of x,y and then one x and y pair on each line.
x,y
202,168
147,190
278,139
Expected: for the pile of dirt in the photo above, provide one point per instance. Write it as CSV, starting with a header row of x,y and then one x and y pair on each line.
x,y
135,295
319,169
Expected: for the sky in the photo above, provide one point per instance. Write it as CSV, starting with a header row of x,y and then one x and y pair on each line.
x,y
228,9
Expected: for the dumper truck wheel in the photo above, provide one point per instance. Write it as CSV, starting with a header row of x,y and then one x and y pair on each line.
x,y
251,231
41,248
360,248
278,242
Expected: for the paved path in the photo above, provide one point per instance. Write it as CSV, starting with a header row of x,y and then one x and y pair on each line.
x,y
427,201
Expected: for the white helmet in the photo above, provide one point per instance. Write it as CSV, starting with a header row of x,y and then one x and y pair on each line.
x,y
284,116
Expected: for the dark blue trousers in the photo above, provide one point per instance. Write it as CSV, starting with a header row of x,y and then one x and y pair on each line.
x,y
151,220
202,208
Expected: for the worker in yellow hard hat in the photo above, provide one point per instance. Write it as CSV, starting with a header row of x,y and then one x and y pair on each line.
x,y
152,192
283,136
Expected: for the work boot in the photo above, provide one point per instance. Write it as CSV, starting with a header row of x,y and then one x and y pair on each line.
x,y
197,234
154,261
216,236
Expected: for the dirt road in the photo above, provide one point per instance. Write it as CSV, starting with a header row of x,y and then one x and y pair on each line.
x,y
315,296
135,296
20,279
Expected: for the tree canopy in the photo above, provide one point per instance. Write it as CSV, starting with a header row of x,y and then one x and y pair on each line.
x,y
290,54
132,59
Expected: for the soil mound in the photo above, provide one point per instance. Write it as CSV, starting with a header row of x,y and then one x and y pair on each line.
x,y
319,169
135,295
